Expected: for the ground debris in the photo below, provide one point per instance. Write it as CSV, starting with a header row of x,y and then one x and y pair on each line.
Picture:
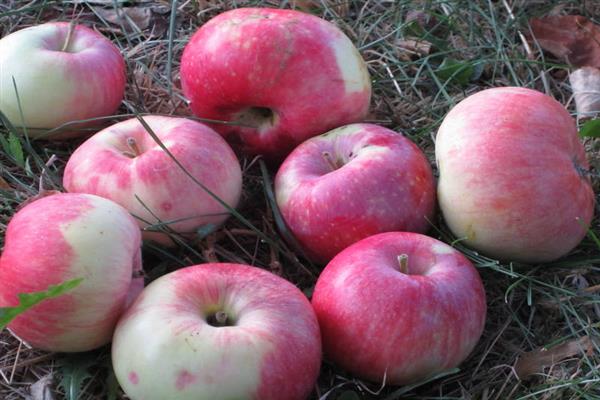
x,y
535,361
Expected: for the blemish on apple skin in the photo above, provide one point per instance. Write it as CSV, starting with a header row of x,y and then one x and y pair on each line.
x,y
133,378
184,379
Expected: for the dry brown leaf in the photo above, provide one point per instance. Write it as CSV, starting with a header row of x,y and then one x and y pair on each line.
x,y
131,18
572,37
4,184
535,361
585,83
414,46
423,19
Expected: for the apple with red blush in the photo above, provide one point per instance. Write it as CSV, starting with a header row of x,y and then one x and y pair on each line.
x,y
280,76
399,307
63,73
514,180
126,164
352,182
218,331
63,237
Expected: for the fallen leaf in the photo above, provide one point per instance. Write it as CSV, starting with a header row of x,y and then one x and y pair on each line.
x,y
414,46
425,20
132,19
585,83
572,37
535,361
4,184
41,390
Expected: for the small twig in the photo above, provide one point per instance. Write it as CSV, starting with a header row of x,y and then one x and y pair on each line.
x,y
44,174
69,36
14,368
391,75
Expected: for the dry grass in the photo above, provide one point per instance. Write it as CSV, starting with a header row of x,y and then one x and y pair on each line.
x,y
528,306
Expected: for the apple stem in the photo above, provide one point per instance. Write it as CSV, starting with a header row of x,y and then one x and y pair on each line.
x,y
329,158
221,318
69,36
403,262
132,144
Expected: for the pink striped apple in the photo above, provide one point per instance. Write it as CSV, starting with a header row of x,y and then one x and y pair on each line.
x,y
218,331
281,75
513,175
125,164
399,307
62,74
68,236
353,182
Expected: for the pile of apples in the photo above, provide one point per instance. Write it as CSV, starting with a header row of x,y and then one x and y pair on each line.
x,y
392,305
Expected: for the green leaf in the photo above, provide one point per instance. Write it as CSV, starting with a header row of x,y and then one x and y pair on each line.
x,y
590,129
15,149
455,71
75,370
28,300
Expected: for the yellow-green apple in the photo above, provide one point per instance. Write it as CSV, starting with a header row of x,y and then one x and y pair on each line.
x,y
218,332
399,307
62,73
350,183
281,75
69,236
514,180
125,164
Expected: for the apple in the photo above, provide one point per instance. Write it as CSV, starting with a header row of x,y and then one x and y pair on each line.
x,y
281,76
62,73
125,164
514,181
350,183
218,331
68,236
399,307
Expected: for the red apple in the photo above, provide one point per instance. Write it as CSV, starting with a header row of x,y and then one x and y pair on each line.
x,y
399,306
513,175
353,182
125,164
62,73
218,331
68,236
281,75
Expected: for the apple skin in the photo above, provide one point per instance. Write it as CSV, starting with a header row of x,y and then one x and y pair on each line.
x,y
376,320
511,175
164,348
62,237
102,166
54,86
383,183
301,67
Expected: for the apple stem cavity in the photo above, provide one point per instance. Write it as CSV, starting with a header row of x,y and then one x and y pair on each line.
x,y
333,163
403,262
135,150
69,36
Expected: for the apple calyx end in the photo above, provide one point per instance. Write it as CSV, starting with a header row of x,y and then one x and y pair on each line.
x,y
403,263
219,319
134,149
257,118
333,163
